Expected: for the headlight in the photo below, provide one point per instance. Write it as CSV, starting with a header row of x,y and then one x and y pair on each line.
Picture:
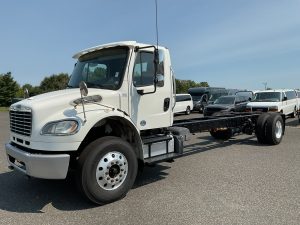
x,y
273,109
60,128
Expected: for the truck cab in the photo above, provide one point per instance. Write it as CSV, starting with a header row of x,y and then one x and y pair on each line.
x,y
131,91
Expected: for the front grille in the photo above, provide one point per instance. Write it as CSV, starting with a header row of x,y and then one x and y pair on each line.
x,y
21,121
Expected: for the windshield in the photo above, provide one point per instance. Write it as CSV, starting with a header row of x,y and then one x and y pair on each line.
x,y
225,100
247,94
267,97
101,69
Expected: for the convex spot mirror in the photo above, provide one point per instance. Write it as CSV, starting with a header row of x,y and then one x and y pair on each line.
x,y
83,88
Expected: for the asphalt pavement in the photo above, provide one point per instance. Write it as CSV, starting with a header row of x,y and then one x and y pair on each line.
x,y
234,182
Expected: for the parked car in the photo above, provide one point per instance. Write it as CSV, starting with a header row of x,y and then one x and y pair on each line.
x,y
202,96
230,103
284,101
184,103
247,94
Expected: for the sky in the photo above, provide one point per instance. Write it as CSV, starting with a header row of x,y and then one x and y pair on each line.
x,y
233,43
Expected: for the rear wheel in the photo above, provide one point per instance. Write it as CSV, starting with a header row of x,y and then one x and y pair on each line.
x,y
274,129
294,114
260,130
107,169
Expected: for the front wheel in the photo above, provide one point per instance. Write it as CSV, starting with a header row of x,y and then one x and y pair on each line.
x,y
107,170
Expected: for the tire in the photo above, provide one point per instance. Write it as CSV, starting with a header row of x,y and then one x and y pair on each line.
x,y
221,134
274,129
188,111
201,109
106,170
294,113
260,129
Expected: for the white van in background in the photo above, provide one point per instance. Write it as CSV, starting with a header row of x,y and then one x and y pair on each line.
x,y
184,103
298,97
284,101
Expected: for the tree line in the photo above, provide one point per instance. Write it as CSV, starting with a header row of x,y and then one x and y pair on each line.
x,y
11,91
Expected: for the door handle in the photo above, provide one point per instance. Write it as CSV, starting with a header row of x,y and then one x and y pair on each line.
x,y
166,104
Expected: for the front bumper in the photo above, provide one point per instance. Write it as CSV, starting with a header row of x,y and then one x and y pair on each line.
x,y
47,166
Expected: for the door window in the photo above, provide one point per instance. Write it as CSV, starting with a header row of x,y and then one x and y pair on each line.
x,y
143,72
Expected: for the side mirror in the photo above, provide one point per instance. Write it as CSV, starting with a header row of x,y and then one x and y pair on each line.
x,y
26,93
249,99
145,89
284,98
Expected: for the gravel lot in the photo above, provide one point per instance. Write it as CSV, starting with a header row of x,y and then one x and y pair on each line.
x,y
233,182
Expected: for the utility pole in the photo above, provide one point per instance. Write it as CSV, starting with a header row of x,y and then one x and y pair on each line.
x,y
265,83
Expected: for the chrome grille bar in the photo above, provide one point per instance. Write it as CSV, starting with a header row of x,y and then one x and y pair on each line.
x,y
20,120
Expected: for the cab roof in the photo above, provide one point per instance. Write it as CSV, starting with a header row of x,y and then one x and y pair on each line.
x,y
109,45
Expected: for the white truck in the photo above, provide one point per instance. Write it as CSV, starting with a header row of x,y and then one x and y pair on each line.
x,y
115,117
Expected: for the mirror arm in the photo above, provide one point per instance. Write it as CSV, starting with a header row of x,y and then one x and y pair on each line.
x,y
83,92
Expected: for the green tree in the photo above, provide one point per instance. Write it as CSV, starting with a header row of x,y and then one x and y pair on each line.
x,y
182,86
54,82
8,89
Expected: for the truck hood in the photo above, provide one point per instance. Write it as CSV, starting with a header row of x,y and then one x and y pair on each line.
x,y
59,101
263,104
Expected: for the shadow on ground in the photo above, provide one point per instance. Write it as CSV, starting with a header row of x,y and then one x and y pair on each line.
x,y
293,123
29,195
21,194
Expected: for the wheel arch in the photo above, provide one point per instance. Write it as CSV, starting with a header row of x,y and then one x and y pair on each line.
x,y
114,126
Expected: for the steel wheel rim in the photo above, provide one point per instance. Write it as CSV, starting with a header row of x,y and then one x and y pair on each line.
x,y
278,129
111,170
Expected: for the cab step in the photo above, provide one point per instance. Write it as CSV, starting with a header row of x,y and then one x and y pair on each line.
x,y
161,158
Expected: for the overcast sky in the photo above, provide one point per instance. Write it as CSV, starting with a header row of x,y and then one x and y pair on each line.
x,y
232,43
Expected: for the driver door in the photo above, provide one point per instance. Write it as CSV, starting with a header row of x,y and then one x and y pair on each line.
x,y
153,108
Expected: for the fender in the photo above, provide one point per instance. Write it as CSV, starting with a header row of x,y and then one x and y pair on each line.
x,y
118,124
